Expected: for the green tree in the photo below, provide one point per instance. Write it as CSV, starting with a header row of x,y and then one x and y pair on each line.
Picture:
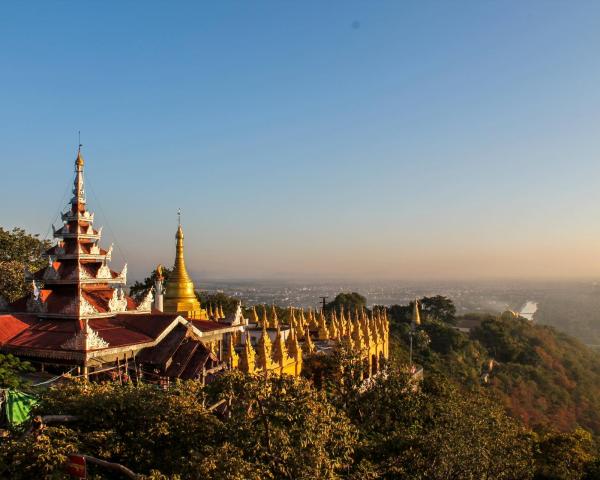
x,y
19,251
139,289
287,426
10,367
439,307
438,432
350,302
565,456
228,302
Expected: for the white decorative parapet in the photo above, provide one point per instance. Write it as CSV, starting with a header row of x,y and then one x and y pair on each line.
x,y
118,302
123,274
79,306
86,339
146,304
104,272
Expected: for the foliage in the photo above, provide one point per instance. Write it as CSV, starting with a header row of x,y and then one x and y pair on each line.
x,y
287,426
10,366
565,456
279,428
437,307
438,432
19,251
41,455
349,301
228,302
139,289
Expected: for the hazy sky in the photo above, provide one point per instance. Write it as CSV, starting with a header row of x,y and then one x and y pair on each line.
x,y
422,139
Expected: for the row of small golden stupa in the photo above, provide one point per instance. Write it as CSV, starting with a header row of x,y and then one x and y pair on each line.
x,y
362,332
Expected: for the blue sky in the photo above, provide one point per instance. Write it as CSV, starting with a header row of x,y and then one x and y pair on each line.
x,y
307,139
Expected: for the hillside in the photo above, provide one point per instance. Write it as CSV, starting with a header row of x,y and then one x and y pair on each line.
x,y
546,378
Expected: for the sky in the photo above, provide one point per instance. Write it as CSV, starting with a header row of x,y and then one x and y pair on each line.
x,y
317,140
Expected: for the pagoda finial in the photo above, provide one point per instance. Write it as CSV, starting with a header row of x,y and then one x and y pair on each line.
x,y
79,160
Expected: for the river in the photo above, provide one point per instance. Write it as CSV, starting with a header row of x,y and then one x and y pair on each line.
x,y
529,310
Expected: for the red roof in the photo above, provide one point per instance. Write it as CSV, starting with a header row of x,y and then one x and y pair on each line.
x,y
12,325
45,334
50,334
208,325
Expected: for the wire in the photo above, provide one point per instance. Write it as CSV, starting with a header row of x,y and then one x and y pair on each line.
x,y
117,243
60,209
53,379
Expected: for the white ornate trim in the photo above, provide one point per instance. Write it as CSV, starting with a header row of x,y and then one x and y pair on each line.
x,y
95,250
146,304
118,302
79,306
85,307
86,339
123,274
104,272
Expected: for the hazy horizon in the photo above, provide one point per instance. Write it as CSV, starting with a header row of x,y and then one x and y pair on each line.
x,y
333,141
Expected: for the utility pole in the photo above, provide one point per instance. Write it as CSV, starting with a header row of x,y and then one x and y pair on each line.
x,y
324,299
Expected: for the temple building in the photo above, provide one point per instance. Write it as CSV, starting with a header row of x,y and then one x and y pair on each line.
x,y
79,319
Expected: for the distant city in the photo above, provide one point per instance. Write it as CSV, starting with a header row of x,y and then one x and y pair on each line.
x,y
489,297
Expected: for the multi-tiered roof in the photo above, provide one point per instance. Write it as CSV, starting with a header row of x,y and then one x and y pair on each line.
x,y
78,282
78,313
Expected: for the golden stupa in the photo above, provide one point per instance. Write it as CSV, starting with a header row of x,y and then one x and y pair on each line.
x,y
180,295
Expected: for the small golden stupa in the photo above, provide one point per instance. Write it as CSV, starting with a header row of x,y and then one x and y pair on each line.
x,y
180,295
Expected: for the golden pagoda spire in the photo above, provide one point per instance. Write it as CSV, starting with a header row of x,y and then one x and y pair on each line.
x,y
294,351
416,317
334,332
264,360
221,313
265,320
312,320
231,356
323,332
280,354
308,343
301,325
274,319
357,336
248,357
255,316
180,296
